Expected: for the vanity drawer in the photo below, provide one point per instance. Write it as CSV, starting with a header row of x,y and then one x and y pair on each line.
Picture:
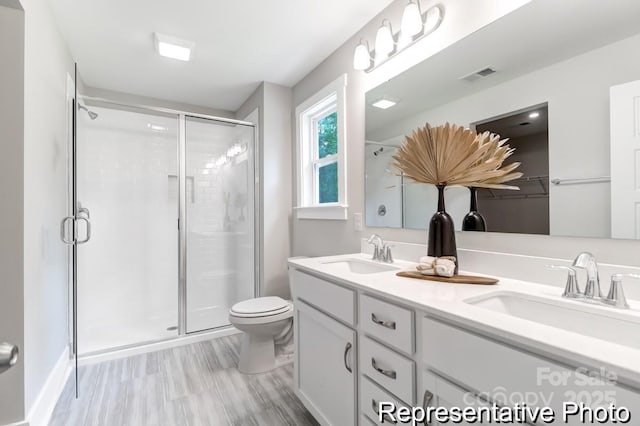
x,y
501,371
328,297
391,370
370,396
387,322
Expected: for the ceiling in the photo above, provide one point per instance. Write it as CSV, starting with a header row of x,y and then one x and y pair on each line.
x,y
536,35
518,124
238,43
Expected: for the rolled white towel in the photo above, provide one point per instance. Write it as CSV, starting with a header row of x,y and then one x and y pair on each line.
x,y
442,266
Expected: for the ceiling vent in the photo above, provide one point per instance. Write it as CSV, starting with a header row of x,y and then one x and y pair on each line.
x,y
477,75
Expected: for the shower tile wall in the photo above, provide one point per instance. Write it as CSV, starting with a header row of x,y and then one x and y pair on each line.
x,y
128,271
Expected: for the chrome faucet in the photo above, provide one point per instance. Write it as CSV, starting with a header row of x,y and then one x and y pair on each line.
x,y
381,251
592,293
587,261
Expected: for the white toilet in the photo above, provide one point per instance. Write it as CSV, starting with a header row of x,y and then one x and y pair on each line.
x,y
263,320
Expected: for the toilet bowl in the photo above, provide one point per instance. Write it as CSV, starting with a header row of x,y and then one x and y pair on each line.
x,y
262,320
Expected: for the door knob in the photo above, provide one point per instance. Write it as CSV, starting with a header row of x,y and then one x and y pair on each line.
x,y
8,356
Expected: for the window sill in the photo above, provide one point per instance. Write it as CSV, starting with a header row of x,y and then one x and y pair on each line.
x,y
331,212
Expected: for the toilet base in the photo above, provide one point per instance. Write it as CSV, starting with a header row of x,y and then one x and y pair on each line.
x,y
257,354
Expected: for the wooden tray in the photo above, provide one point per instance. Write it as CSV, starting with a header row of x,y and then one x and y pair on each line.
x,y
456,279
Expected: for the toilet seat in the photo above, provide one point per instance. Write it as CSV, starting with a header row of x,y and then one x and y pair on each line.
x,y
260,307
261,310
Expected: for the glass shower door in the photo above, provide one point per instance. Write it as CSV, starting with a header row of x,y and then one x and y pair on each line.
x,y
220,249
127,190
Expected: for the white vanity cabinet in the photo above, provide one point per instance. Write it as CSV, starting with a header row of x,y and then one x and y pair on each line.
x,y
325,379
347,363
356,347
325,372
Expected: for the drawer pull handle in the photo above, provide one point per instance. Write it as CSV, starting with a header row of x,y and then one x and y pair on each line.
x,y
347,348
389,373
385,417
388,324
426,401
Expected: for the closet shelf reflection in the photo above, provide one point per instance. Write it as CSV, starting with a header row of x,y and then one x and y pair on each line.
x,y
530,187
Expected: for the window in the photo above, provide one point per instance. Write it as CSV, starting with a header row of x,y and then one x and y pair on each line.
x,y
321,176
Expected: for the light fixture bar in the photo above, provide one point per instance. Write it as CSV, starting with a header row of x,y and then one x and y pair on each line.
x,y
431,20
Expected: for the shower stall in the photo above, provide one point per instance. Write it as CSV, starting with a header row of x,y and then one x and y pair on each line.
x,y
162,223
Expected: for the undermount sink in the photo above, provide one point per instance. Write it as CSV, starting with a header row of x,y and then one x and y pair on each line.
x,y
360,266
591,321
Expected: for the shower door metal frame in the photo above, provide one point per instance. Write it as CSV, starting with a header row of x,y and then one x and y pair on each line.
x,y
182,216
182,213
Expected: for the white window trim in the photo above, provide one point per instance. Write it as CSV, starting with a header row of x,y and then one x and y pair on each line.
x,y
319,105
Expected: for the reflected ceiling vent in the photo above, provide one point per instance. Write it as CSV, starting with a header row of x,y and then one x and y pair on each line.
x,y
477,75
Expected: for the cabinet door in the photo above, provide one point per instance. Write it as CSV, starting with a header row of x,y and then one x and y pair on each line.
x,y
325,366
439,392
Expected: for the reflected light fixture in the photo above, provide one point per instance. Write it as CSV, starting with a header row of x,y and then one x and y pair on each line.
x,y
414,26
172,47
384,103
156,127
534,114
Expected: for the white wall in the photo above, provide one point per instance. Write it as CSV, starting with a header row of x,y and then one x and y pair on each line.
x,y
577,91
12,207
47,63
320,237
274,128
331,237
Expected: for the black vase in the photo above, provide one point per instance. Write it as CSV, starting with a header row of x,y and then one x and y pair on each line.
x,y
442,233
474,221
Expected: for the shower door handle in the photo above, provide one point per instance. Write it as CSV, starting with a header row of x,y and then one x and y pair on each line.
x,y
63,230
85,211
88,222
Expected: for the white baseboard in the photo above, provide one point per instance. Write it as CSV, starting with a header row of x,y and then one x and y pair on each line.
x,y
43,407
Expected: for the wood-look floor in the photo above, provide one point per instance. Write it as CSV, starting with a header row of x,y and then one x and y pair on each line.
x,y
198,384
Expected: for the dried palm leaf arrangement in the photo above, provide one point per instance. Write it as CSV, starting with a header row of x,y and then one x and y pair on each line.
x,y
452,155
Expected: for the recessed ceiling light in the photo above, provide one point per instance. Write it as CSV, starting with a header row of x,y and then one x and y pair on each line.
x,y
172,47
534,115
156,127
383,103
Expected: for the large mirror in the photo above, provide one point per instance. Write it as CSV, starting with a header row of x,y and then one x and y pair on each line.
x,y
561,80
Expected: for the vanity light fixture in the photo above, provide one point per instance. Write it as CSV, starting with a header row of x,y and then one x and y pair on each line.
x,y
385,42
172,47
361,57
414,26
534,114
411,20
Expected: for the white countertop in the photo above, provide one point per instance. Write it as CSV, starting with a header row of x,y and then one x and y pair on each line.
x,y
447,301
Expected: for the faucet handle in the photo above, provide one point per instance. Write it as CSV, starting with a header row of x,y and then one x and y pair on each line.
x,y
616,295
386,253
571,289
376,252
